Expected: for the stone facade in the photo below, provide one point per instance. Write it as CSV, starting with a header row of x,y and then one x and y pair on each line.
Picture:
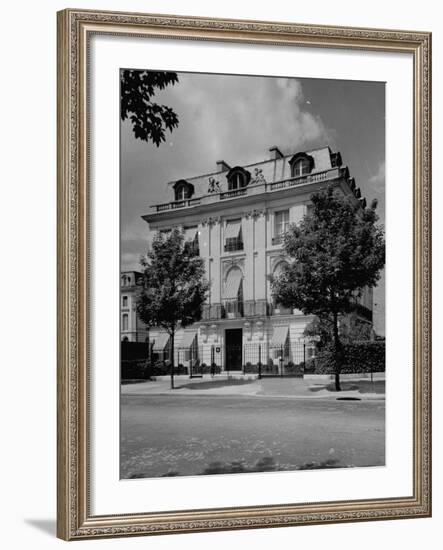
x,y
237,216
131,328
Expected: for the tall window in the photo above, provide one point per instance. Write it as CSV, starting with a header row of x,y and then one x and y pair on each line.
x,y
181,193
125,301
237,178
236,181
233,236
281,223
125,321
301,167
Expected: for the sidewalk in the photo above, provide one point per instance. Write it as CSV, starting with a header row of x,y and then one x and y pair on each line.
x,y
250,386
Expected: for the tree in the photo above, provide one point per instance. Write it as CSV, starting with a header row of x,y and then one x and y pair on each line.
x,y
335,252
149,120
174,287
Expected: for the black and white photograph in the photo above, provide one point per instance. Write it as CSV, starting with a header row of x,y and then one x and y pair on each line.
x,y
252,282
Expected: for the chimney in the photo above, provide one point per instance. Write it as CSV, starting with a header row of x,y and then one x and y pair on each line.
x,y
275,153
222,166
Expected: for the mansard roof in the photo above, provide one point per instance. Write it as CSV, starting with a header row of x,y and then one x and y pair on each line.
x,y
272,170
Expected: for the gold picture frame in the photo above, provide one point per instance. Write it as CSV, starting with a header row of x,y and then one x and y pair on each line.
x,y
75,27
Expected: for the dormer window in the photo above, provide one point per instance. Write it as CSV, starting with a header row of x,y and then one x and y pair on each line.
x,y
183,190
301,164
237,178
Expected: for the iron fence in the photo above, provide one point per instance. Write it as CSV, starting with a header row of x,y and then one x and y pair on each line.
x,y
263,359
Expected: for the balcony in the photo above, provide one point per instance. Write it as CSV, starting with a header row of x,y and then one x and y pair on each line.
x,y
277,309
177,204
278,239
233,245
255,308
233,193
233,309
255,189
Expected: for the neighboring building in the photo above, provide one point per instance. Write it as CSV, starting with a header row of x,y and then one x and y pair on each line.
x,y
131,328
236,218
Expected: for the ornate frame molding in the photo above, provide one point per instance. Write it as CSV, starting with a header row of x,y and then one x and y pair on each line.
x,y
75,28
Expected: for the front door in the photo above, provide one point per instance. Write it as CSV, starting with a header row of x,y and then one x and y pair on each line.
x,y
233,347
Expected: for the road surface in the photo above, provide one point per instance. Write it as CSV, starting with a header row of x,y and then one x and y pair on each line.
x,y
186,435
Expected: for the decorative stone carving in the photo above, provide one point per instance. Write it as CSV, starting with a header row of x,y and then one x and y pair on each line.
x,y
248,330
230,263
275,260
255,213
211,220
213,186
204,332
258,178
214,331
260,329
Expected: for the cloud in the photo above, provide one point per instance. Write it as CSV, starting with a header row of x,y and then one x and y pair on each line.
x,y
130,261
377,180
234,118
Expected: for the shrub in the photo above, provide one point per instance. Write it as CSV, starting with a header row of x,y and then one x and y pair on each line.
x,y
134,369
249,368
208,369
292,368
359,357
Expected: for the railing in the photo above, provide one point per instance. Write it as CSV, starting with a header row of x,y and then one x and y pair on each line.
x,y
299,180
278,239
277,309
212,312
253,308
177,204
233,309
247,308
233,193
233,245
254,189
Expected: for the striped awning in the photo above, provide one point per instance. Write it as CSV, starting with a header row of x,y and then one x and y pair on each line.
x,y
233,283
233,229
190,233
280,335
188,339
161,341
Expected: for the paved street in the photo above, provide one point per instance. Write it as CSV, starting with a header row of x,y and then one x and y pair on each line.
x,y
185,434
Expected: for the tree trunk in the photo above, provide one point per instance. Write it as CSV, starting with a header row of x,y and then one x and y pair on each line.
x,y
337,354
172,360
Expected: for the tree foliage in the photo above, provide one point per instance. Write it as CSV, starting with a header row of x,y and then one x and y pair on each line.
x,y
174,285
335,251
149,119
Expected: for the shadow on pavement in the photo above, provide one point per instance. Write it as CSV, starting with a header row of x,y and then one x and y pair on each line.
x,y
362,386
216,384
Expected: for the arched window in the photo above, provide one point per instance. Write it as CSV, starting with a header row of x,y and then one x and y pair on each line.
x,y
125,321
278,271
237,178
301,167
233,293
183,190
181,193
301,164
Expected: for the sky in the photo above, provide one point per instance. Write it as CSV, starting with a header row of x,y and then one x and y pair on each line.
x,y
237,118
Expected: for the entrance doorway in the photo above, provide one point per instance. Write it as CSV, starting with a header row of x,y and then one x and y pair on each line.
x,y
233,348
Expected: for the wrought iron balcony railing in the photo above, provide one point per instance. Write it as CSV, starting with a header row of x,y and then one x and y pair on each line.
x,y
233,309
278,239
254,189
233,245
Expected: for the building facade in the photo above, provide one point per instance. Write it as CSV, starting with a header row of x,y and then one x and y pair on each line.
x,y
132,329
236,218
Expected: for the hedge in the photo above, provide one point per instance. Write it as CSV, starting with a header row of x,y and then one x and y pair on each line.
x,y
361,357
135,369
